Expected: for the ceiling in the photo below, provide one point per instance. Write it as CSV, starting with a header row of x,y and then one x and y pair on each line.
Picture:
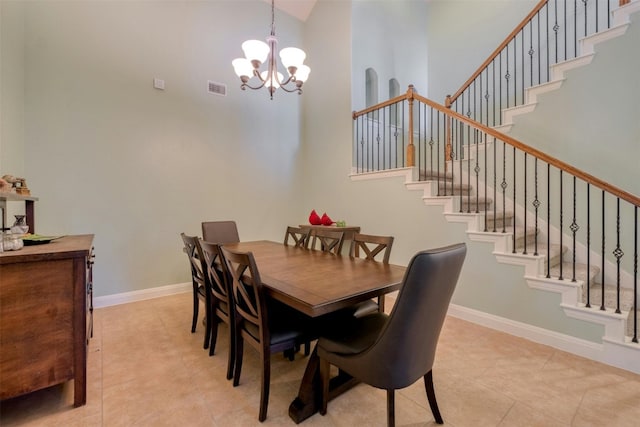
x,y
297,8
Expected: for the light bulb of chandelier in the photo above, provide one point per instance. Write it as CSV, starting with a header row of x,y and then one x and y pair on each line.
x,y
270,80
292,57
242,67
255,51
303,73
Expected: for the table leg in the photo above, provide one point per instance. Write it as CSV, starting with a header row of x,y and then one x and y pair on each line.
x,y
310,394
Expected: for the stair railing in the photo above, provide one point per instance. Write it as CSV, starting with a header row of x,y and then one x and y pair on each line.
x,y
549,34
551,208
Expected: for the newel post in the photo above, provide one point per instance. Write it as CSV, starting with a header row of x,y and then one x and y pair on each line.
x,y
411,149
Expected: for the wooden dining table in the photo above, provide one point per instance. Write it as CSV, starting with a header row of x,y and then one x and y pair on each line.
x,y
317,283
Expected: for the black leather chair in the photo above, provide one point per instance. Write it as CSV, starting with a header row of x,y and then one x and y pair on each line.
x,y
218,284
199,286
392,352
298,235
220,232
267,327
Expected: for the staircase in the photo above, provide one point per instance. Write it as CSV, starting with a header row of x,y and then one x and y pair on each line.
x,y
557,75
475,174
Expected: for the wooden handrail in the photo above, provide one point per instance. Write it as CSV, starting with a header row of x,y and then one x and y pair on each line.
x,y
588,178
392,101
451,98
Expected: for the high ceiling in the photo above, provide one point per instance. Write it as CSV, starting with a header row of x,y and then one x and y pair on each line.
x,y
297,8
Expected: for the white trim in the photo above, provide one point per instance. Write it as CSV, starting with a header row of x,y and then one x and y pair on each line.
x,y
557,340
141,295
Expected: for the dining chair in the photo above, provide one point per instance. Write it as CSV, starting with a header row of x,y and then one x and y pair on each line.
x,y
370,247
299,236
329,240
218,284
199,285
266,328
392,352
220,232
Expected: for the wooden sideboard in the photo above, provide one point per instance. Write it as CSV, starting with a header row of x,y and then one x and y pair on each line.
x,y
44,317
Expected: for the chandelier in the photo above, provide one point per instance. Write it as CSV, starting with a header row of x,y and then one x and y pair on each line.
x,y
256,52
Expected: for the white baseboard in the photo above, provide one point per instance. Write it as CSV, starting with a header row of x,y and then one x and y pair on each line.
x,y
141,295
584,348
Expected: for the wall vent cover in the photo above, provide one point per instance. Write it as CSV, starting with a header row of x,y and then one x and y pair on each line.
x,y
217,88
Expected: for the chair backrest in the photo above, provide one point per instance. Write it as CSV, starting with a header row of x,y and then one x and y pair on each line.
x,y
248,296
220,232
191,248
405,349
299,236
329,240
215,269
371,246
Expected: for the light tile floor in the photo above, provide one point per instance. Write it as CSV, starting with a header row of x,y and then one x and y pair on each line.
x,y
146,369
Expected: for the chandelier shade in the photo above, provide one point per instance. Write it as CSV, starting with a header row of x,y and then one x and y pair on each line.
x,y
257,52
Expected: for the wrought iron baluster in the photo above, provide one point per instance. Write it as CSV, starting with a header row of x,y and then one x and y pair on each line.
x,y
507,76
561,230
536,205
514,202
635,275
459,158
378,137
484,137
584,2
468,159
565,30
495,186
531,53
493,88
548,221
588,246
403,134
524,204
477,171
618,253
500,89
504,186
574,227
556,27
603,253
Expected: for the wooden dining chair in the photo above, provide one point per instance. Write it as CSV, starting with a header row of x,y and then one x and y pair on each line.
x,y
299,236
266,328
218,284
372,248
328,240
392,352
220,232
199,285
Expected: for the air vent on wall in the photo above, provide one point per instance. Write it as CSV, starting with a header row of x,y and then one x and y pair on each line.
x,y
217,88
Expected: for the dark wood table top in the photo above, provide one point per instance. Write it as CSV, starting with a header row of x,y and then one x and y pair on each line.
x,y
315,282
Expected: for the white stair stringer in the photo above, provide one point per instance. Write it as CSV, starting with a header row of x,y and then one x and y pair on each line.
x,y
616,348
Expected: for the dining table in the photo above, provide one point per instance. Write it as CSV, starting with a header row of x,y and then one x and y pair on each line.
x,y
317,283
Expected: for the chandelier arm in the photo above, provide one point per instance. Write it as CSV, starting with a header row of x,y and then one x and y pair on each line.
x,y
295,89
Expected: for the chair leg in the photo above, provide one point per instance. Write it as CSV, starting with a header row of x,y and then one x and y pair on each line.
x,y
325,368
195,308
237,369
207,326
214,335
307,348
264,393
232,351
381,303
391,408
431,395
